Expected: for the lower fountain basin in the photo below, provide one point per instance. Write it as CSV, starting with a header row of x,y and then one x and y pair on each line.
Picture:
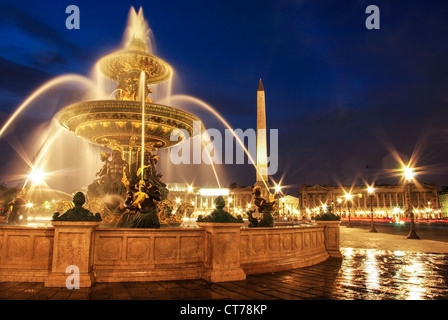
x,y
117,123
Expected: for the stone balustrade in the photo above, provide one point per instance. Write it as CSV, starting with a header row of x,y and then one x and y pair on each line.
x,y
214,252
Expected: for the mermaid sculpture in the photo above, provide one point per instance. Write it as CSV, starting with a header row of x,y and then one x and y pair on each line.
x,y
264,207
142,206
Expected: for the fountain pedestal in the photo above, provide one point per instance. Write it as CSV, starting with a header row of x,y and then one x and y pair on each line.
x,y
332,237
222,252
73,246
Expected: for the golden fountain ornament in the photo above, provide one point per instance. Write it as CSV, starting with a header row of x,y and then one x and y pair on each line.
x,y
117,124
131,125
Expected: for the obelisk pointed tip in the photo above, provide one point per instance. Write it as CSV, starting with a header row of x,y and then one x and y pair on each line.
x,y
260,86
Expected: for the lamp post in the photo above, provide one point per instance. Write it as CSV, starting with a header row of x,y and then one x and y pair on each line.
x,y
348,197
370,190
283,207
409,175
277,196
339,203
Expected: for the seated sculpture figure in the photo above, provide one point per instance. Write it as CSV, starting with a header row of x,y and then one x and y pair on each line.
x,y
16,210
113,177
150,175
264,207
142,206
219,214
77,213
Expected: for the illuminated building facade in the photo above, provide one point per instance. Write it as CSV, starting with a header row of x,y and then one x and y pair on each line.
x,y
387,201
443,200
288,205
237,199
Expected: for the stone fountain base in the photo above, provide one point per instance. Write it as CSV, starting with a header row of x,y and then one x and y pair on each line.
x,y
215,252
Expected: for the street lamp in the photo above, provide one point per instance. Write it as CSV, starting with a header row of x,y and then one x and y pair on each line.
x,y
370,190
278,190
339,203
409,176
348,196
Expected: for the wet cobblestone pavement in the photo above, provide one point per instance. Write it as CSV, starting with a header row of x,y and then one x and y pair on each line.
x,y
370,274
362,274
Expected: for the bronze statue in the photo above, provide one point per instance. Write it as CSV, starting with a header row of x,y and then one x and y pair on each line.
x,y
219,214
142,206
264,207
16,209
104,158
77,213
151,176
113,177
117,166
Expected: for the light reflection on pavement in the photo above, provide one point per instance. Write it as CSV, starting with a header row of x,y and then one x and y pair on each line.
x,y
371,274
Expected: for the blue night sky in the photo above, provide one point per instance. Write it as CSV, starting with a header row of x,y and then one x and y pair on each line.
x,y
341,96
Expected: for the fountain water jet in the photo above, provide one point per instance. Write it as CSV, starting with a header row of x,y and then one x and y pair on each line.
x,y
124,123
42,153
142,88
210,109
138,28
45,87
132,125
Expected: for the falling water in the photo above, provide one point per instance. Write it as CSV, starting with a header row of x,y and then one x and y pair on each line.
x,y
142,88
138,28
64,79
206,106
43,140
47,145
212,164
75,165
66,169
104,87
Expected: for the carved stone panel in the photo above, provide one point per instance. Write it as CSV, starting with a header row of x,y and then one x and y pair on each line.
x,y
287,241
245,249
274,243
137,249
166,249
306,240
259,244
228,249
42,249
110,248
76,247
190,248
298,241
313,239
17,247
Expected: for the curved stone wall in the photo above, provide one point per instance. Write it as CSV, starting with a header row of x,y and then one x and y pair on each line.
x,y
215,252
275,249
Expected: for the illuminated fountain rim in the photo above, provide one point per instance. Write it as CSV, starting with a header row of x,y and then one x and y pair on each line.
x,y
116,124
126,61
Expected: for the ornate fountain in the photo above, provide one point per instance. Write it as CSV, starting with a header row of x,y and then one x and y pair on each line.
x,y
132,127
117,124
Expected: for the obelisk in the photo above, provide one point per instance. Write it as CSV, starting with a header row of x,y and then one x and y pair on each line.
x,y
262,155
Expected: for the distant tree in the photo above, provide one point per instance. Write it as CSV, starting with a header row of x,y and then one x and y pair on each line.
x,y
233,185
7,195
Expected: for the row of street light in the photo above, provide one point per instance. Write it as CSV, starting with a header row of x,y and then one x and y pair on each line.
x,y
409,177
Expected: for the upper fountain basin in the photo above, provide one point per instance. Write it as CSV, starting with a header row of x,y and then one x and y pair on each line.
x,y
117,123
129,63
